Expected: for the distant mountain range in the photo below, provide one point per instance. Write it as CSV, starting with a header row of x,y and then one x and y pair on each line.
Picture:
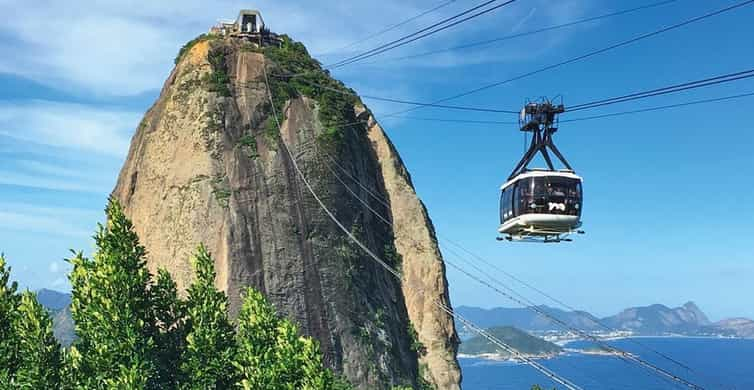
x,y
653,320
650,320
59,306
53,300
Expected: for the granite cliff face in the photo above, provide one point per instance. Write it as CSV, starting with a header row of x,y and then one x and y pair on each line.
x,y
207,165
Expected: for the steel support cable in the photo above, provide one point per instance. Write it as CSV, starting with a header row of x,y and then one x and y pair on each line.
x,y
355,180
612,114
418,33
542,369
391,27
585,56
518,298
391,100
666,90
481,122
525,33
669,106
528,304
523,301
563,304
395,46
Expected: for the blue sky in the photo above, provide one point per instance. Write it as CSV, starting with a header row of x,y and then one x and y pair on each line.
x,y
668,209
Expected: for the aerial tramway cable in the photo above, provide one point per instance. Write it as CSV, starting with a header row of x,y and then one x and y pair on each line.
x,y
393,27
523,301
726,78
586,118
685,86
583,56
522,34
423,33
531,362
513,277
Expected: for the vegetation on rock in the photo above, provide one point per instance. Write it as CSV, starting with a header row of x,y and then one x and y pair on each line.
x,y
296,74
186,47
217,80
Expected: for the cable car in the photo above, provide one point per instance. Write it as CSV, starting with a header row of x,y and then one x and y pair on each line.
x,y
541,205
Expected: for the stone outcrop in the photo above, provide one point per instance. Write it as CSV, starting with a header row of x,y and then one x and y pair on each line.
x,y
206,166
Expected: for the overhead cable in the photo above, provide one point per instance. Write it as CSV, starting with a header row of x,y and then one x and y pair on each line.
x,y
585,56
391,27
531,362
523,301
423,33
525,33
726,78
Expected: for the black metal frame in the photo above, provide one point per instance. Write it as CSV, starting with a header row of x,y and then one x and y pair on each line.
x,y
540,119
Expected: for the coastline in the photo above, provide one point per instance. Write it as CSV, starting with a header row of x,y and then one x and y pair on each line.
x,y
584,351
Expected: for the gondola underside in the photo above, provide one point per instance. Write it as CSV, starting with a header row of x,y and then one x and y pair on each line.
x,y
539,225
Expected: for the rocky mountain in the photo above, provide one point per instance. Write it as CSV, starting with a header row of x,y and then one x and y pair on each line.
x,y
659,319
516,338
63,327
735,327
53,300
646,320
524,318
208,164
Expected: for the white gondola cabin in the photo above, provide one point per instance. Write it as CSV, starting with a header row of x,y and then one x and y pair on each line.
x,y
541,204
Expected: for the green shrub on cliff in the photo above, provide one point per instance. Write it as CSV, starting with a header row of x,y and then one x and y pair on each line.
x,y
134,332
206,362
334,100
272,355
112,310
39,354
8,341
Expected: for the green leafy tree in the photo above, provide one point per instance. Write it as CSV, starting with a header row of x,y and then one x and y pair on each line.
x,y
170,331
9,301
112,311
206,362
272,355
39,356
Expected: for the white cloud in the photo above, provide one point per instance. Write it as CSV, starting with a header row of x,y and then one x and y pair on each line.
x,y
125,48
71,126
58,221
40,224
55,267
60,282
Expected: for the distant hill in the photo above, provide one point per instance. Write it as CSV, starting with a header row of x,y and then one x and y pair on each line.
x,y
658,319
524,318
516,338
59,306
53,300
738,327
63,328
645,320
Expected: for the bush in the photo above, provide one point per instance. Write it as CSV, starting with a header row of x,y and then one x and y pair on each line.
x,y
334,100
134,332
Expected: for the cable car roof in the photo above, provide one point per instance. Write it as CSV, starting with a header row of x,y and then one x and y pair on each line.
x,y
542,173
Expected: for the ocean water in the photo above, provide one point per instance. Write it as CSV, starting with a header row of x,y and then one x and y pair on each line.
x,y
714,364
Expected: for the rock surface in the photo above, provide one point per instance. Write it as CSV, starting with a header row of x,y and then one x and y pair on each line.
x,y
205,168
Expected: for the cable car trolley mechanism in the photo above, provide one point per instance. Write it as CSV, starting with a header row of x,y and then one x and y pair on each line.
x,y
540,205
